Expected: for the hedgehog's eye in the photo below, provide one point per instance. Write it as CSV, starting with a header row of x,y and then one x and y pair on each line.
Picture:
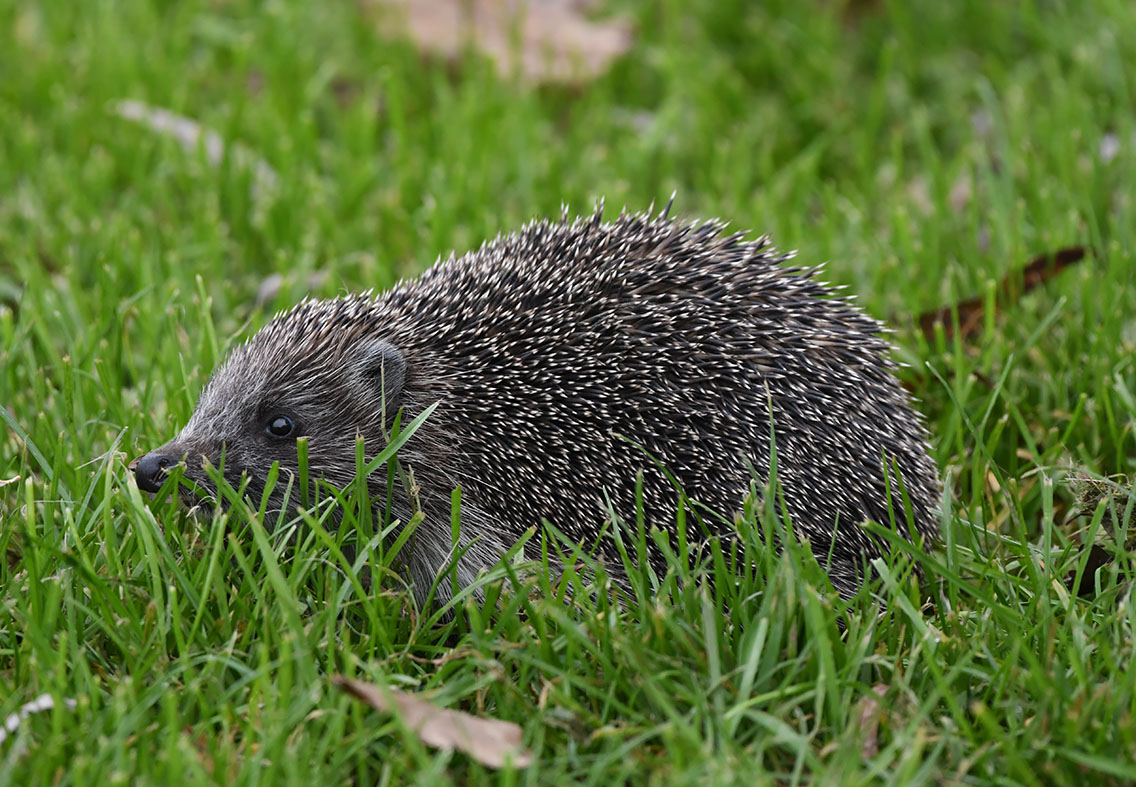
x,y
280,426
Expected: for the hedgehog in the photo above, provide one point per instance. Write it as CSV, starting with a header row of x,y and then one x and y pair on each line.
x,y
582,368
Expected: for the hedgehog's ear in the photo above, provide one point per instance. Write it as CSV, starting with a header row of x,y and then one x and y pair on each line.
x,y
382,364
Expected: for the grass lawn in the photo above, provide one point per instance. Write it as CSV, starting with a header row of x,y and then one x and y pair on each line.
x,y
925,150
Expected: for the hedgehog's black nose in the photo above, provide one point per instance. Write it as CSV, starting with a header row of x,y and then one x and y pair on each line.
x,y
150,470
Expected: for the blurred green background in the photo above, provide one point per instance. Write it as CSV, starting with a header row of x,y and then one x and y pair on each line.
x,y
922,150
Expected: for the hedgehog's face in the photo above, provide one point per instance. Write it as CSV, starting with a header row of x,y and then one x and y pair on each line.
x,y
260,402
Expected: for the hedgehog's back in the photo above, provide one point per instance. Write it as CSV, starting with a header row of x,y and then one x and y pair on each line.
x,y
557,342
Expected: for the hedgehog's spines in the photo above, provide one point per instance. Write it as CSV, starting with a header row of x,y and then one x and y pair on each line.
x,y
543,342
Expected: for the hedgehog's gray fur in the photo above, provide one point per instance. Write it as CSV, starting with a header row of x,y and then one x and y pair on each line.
x,y
544,347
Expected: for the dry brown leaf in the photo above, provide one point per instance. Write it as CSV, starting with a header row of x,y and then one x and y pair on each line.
x,y
972,311
868,716
541,40
489,741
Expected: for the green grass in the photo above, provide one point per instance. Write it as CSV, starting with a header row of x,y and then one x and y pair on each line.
x,y
924,149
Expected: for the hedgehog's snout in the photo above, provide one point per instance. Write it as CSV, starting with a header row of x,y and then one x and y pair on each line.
x,y
150,470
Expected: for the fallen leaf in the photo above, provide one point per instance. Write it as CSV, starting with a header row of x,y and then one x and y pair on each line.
x,y
868,716
43,702
489,741
972,311
189,134
542,40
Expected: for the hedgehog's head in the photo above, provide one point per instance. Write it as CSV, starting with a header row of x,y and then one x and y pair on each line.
x,y
322,371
